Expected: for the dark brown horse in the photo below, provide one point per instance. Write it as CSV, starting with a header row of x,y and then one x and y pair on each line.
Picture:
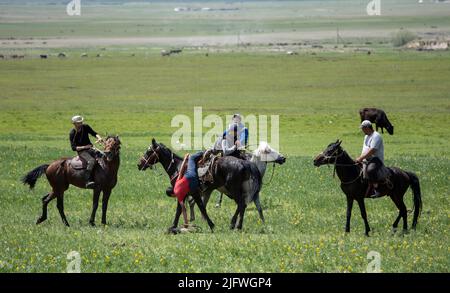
x,y
60,175
354,187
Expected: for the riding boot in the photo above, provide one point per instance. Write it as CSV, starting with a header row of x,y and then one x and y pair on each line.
x,y
375,194
90,184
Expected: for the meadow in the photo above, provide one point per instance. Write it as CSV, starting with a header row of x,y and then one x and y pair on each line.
x,y
135,92
317,98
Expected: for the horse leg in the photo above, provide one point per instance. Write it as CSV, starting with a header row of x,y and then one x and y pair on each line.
x,y
234,218
172,229
349,213
202,208
259,208
191,210
60,205
95,199
241,216
362,207
395,225
403,213
219,200
45,200
105,199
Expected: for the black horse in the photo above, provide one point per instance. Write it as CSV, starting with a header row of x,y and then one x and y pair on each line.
x,y
378,117
238,179
354,187
159,153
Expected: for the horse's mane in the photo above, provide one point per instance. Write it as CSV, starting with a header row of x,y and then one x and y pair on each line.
x,y
165,148
262,146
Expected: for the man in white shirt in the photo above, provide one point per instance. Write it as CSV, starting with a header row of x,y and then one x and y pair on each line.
x,y
372,148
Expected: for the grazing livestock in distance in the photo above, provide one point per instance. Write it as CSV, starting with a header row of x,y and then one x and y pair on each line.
x,y
378,117
43,56
165,53
176,51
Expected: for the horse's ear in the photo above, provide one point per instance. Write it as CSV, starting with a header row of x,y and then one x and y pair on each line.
x,y
339,142
154,142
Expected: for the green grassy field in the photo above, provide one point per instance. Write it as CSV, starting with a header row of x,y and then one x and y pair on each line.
x,y
317,98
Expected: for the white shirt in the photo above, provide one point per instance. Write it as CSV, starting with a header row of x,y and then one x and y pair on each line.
x,y
374,141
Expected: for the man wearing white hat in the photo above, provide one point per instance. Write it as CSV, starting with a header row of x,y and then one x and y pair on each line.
x,y
80,143
373,147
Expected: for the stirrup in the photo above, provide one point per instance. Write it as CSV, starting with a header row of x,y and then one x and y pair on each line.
x,y
376,195
90,185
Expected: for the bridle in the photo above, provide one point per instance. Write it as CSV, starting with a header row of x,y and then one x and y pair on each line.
x,y
115,150
153,155
157,159
335,164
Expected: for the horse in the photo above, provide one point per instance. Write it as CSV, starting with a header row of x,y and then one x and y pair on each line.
x,y
378,117
261,156
159,153
354,187
61,175
238,179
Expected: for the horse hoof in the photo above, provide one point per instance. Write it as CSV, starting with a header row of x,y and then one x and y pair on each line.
x,y
92,224
172,230
40,220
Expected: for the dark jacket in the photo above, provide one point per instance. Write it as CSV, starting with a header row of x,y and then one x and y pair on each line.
x,y
81,138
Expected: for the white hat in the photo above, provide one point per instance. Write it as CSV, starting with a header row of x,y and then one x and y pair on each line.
x,y
77,119
366,124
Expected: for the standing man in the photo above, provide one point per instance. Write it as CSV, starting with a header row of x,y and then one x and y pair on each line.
x,y
373,147
80,143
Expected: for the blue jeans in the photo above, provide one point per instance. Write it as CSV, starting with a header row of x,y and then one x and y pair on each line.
x,y
191,172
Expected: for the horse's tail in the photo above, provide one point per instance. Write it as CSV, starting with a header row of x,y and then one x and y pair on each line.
x,y
415,186
31,177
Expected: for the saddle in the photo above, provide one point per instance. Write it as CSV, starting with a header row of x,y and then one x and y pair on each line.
x,y
78,163
206,166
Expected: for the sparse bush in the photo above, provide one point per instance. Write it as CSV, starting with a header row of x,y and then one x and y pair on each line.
x,y
402,37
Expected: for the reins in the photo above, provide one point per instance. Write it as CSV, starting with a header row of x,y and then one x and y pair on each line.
x,y
342,165
271,176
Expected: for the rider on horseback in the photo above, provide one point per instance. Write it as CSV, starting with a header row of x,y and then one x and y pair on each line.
x,y
234,139
372,158
79,141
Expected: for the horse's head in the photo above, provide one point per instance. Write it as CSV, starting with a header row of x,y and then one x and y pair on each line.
x,y
390,129
112,147
329,155
150,157
267,154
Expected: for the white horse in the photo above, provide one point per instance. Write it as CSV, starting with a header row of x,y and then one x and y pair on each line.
x,y
261,156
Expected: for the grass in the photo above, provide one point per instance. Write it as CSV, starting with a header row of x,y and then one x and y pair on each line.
x,y
158,19
317,98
